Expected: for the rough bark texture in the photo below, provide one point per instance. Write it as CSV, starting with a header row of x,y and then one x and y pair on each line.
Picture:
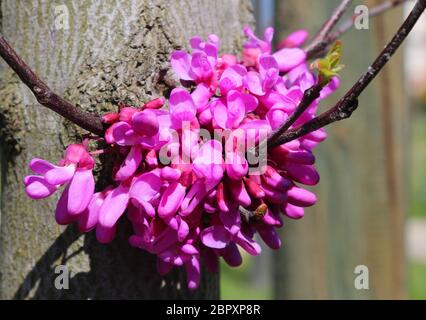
x,y
113,51
359,216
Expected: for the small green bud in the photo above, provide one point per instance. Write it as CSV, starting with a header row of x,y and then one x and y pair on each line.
x,y
329,66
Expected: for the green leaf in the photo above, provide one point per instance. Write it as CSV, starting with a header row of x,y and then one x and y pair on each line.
x,y
329,66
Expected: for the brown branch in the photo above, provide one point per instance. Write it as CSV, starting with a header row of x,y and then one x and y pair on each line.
x,y
328,25
308,97
374,11
45,96
348,103
253,216
321,47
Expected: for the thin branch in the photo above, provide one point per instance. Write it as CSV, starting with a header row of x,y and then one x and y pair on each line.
x,y
374,11
321,47
45,96
253,216
308,97
349,102
246,214
329,24
93,123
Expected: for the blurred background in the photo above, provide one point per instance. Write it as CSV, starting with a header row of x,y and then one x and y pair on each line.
x,y
371,208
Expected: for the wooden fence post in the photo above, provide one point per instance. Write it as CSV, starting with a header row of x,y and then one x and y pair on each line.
x,y
359,217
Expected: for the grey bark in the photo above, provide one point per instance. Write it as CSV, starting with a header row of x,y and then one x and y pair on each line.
x,y
112,51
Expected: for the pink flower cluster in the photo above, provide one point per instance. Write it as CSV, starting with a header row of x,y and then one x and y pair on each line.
x,y
188,197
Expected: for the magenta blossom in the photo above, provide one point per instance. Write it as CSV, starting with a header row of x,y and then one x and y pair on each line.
x,y
183,171
200,66
74,171
287,58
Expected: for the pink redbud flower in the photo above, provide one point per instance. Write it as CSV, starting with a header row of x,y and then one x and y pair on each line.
x,y
182,173
294,40
74,171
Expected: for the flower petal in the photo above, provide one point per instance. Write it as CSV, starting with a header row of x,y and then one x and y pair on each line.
x,y
37,187
123,134
236,109
287,59
208,163
89,218
62,215
301,197
250,102
164,241
220,114
130,164
170,174
294,39
276,116
145,123
82,187
239,192
270,237
146,186
254,83
171,200
232,255
266,63
182,107
236,165
332,86
201,96
183,230
249,245
181,62
40,166
193,198
201,68
60,175
232,78
105,234
114,206
216,237
305,174
189,249
293,212
193,274
231,220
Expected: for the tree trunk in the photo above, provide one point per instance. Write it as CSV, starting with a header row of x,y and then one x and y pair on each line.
x,y
106,52
359,216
